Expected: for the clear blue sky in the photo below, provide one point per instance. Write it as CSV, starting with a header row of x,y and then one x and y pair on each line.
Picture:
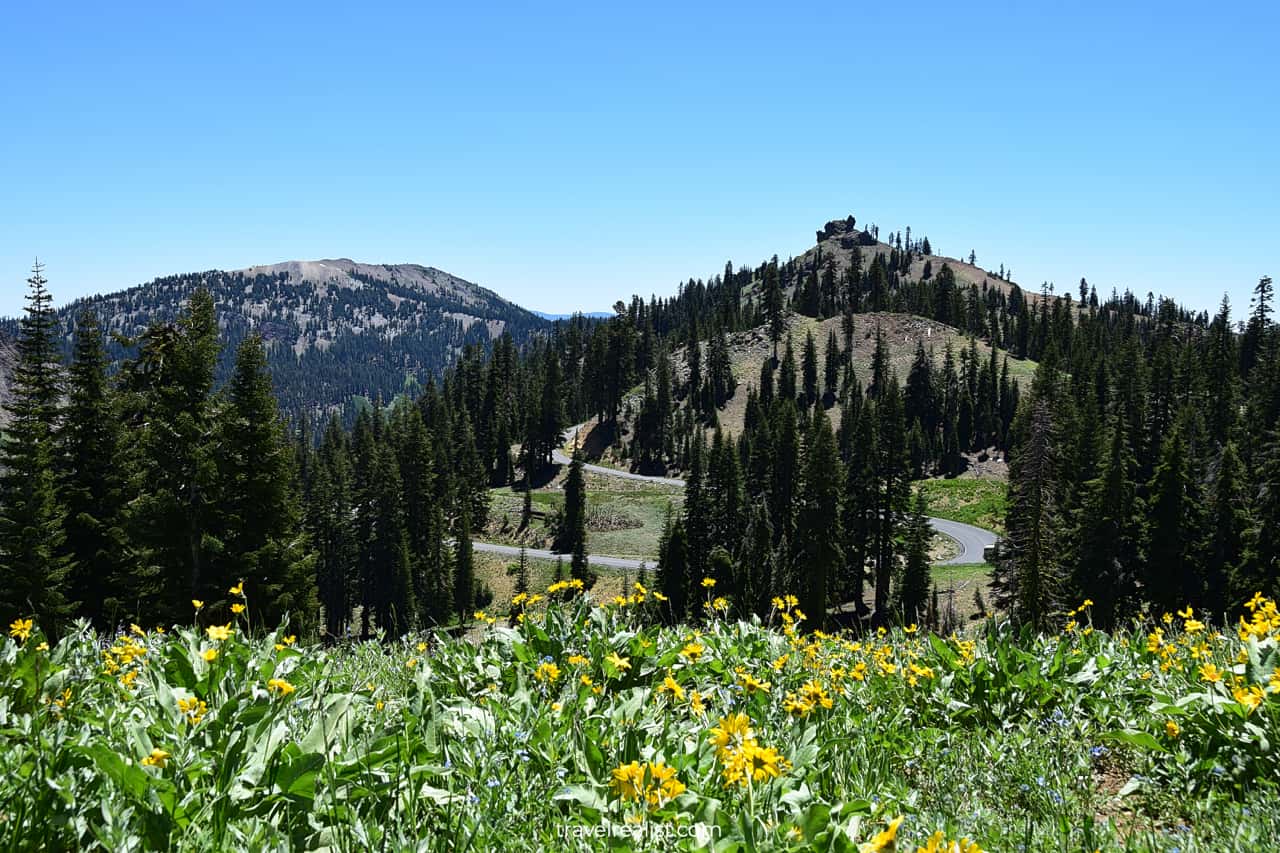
x,y
566,157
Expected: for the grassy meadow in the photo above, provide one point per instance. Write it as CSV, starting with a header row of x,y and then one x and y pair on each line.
x,y
579,725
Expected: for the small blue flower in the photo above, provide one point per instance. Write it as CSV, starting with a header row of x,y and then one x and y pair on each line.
x,y
493,782
1097,751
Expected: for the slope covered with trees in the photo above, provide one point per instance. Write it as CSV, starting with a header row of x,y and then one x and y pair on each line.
x,y
1142,454
333,330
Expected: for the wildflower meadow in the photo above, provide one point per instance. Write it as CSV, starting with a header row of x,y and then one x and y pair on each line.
x,y
577,725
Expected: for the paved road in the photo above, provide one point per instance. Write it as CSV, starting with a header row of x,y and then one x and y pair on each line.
x,y
560,458
972,540
538,553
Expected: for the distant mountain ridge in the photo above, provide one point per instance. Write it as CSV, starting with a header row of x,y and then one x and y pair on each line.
x,y
336,329
590,315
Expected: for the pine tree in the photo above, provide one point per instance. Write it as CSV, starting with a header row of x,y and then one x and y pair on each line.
x,y
1107,536
1259,569
673,570
1170,576
464,575
787,376
809,370
92,480
171,521
259,516
386,568
830,370
573,532
329,521
893,490
912,590
1028,580
1228,524
34,567
773,304
819,533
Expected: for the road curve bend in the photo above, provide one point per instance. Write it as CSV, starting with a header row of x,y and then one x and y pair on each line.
x,y
973,541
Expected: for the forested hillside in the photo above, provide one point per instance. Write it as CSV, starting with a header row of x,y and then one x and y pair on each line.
x,y
1140,455
334,330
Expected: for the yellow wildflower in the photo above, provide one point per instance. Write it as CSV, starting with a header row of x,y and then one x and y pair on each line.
x,y
1210,673
708,583
618,662
238,589
1171,728
194,709
692,651
547,672
651,783
157,758
279,685
670,685
1250,697
210,655
218,632
752,762
20,629
732,731
237,608
883,840
197,604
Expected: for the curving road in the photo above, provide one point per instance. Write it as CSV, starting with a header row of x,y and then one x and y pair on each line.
x,y
540,554
972,540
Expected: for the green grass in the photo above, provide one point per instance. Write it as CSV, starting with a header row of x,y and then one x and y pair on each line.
x,y
624,518
1077,740
971,501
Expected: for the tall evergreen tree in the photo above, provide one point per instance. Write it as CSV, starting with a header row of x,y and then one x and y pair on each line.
x,y
573,533
259,517
171,521
911,593
34,567
92,480
819,535
1028,579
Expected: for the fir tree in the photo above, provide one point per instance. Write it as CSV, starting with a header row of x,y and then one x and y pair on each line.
x,y
573,531
911,593
1027,581
92,480
34,567
809,370
259,515
464,575
171,521
673,570
819,534
1228,524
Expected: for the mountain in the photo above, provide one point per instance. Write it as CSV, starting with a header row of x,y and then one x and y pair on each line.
x,y
336,330
590,315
